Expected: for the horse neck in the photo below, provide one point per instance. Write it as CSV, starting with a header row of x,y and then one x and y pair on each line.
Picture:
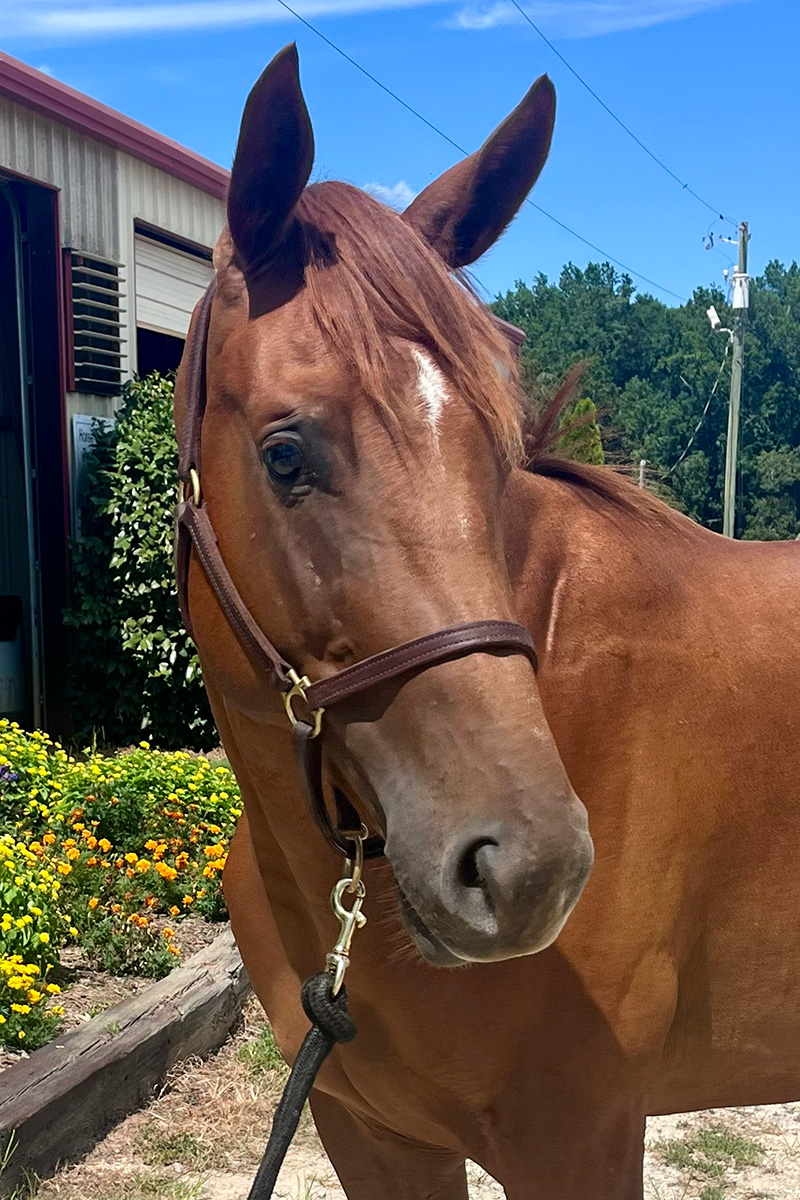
x,y
584,569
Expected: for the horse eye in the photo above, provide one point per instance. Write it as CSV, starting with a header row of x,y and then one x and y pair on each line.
x,y
284,460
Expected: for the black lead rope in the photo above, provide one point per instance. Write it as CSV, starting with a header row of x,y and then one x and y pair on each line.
x,y
329,1024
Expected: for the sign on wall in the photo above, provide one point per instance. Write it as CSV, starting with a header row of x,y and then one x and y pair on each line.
x,y
83,430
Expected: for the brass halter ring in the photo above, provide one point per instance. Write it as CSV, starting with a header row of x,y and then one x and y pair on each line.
x,y
298,688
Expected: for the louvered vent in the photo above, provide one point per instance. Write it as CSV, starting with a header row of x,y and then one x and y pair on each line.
x,y
98,344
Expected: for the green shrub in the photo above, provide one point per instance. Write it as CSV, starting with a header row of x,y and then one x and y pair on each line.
x,y
136,668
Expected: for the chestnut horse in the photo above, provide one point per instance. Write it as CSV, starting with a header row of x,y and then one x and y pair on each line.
x,y
360,462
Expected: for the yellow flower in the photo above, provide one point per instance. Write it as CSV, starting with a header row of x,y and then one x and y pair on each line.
x,y
144,745
64,869
48,839
2,1019
57,1010
34,996
21,1035
73,931
53,989
44,938
73,853
142,866
131,858
21,1008
105,845
16,982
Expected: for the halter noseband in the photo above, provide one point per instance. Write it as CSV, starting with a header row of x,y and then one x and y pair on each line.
x,y
195,531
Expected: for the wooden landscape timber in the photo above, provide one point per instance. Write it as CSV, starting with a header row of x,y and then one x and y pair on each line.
x,y
59,1102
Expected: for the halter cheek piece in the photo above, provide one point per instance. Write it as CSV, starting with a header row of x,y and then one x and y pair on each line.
x,y
195,531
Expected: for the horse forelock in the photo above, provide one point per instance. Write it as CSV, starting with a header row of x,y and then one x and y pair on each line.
x,y
371,280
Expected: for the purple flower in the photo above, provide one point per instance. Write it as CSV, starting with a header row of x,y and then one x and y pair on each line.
x,y
7,775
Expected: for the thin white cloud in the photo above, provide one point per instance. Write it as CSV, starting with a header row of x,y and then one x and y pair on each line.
x,y
583,18
49,19
399,196
83,19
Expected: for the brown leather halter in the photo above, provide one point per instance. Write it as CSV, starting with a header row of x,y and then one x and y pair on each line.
x,y
194,530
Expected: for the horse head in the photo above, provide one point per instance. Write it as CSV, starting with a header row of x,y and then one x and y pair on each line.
x,y
362,419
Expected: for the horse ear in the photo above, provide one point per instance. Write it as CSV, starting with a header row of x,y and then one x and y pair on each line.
x,y
273,161
463,212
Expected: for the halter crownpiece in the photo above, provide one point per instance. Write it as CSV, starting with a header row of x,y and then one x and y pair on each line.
x,y
194,531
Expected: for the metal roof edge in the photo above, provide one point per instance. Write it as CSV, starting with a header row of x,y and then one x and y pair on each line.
x,y
64,104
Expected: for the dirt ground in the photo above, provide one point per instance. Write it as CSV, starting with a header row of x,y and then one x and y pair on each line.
x,y
202,1138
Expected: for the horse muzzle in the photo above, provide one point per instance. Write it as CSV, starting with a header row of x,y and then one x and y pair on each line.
x,y
492,892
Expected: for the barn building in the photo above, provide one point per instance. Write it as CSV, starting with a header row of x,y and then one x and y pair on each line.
x,y
106,230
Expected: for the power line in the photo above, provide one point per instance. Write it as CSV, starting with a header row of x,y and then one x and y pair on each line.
x,y
618,120
414,112
706,407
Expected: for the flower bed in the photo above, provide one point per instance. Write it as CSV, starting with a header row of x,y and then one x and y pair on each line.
x,y
97,851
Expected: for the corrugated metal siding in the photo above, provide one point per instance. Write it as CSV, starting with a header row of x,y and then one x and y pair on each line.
x,y
85,171
147,194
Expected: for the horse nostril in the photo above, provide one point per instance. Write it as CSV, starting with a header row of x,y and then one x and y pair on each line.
x,y
472,867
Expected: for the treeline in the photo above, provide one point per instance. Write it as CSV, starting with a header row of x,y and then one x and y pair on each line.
x,y
650,370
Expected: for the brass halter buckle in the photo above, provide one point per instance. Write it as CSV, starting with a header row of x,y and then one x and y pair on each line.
x,y
350,919
298,688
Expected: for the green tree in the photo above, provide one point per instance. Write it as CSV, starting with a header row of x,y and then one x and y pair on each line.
x,y
652,369
581,437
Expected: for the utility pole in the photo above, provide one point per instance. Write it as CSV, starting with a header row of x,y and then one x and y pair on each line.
x,y
741,303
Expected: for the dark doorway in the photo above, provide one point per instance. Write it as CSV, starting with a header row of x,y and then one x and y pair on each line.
x,y
19,602
33,485
157,352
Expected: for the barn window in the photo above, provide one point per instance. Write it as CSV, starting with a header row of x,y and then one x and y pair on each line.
x,y
96,316
171,276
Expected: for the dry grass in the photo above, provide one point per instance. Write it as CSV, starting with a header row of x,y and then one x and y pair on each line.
x,y
210,1116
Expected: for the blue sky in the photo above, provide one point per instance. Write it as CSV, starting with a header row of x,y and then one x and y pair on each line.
x,y
711,86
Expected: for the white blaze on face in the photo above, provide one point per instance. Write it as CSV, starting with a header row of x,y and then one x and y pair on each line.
x,y
431,389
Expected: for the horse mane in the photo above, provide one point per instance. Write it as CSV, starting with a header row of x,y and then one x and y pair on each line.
x,y
599,486
371,278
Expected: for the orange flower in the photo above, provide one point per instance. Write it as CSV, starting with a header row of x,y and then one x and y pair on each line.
x,y
73,853
105,845
48,839
168,933
64,869
115,908
173,949
93,861
174,911
93,903
166,872
187,900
